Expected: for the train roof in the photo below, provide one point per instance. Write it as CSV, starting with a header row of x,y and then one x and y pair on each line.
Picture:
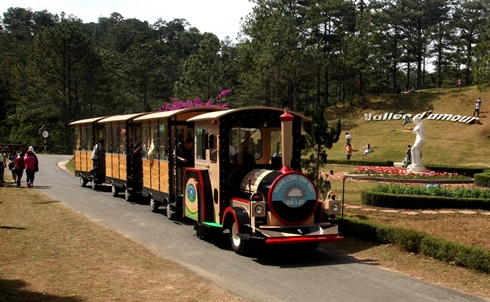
x,y
87,120
167,114
124,117
218,114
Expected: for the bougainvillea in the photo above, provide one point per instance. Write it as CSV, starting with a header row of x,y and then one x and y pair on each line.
x,y
396,172
176,104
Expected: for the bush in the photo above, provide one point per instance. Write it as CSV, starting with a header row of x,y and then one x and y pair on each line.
x,y
412,241
416,201
482,179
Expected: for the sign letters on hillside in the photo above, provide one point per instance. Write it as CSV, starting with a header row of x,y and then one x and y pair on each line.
x,y
427,114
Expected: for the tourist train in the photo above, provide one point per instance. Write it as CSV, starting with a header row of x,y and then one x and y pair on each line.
x,y
244,176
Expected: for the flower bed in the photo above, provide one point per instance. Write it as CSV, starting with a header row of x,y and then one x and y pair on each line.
x,y
403,173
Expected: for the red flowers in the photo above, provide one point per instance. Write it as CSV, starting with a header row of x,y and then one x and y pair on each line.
x,y
393,172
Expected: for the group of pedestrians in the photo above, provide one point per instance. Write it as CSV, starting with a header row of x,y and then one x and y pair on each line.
x,y
17,163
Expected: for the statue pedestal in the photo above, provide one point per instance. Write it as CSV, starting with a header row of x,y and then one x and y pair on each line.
x,y
416,168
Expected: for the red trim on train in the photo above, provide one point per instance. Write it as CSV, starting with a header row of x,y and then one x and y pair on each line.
x,y
303,239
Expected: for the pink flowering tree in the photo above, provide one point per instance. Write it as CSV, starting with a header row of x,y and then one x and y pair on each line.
x,y
176,104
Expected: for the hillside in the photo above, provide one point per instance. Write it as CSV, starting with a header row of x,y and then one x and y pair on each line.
x,y
448,142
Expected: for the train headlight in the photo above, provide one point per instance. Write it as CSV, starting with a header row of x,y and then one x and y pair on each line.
x,y
259,209
335,207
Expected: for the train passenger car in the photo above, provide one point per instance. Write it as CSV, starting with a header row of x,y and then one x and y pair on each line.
x,y
122,162
162,133
87,133
258,193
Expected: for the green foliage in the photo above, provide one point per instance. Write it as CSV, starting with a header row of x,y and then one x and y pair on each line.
x,y
431,190
450,252
482,179
418,201
319,137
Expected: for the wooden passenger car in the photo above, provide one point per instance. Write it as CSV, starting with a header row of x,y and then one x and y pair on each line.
x,y
122,166
161,133
87,133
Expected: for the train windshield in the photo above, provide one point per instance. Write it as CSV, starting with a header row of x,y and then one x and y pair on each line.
x,y
247,140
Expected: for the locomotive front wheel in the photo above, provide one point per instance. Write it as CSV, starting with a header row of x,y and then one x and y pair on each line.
x,y
238,244
115,191
154,205
83,181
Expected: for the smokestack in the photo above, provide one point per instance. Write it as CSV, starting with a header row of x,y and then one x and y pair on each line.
x,y
286,139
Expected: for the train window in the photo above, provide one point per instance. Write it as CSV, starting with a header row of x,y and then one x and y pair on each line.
x,y
90,138
247,140
115,139
211,145
122,140
108,140
163,142
83,142
154,141
275,146
146,140
201,144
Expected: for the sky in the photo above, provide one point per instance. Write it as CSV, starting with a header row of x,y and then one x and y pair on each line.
x,y
221,17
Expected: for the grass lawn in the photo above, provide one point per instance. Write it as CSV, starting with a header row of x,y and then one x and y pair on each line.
x,y
51,253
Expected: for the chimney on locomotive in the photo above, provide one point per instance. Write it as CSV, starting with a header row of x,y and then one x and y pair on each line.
x,y
286,139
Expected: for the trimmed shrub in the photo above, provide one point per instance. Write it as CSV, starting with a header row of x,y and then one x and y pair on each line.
x,y
450,252
482,179
401,201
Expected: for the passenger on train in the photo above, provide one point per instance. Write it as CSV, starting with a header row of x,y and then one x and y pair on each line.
x,y
98,157
185,154
243,156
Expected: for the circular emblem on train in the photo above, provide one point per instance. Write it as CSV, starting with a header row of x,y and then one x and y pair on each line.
x,y
191,192
191,198
294,190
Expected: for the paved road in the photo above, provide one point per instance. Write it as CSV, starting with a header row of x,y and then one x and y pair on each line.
x,y
279,275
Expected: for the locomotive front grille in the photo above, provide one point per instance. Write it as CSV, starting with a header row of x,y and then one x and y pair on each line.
x,y
293,215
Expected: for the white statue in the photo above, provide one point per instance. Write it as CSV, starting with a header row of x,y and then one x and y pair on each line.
x,y
416,165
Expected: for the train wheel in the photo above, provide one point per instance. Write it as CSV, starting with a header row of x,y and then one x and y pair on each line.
x,y
127,194
154,205
83,181
115,191
238,244
171,214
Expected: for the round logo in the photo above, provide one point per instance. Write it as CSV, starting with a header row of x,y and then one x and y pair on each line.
x,y
45,134
191,198
294,190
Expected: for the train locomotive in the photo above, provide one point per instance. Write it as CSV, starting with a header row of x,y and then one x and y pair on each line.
x,y
245,177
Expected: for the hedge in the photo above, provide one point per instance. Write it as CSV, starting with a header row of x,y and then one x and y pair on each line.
x,y
400,201
472,257
482,179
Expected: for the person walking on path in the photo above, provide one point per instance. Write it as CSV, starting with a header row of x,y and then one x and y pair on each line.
x,y
29,162
477,108
19,167
36,164
12,156
3,164
460,82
